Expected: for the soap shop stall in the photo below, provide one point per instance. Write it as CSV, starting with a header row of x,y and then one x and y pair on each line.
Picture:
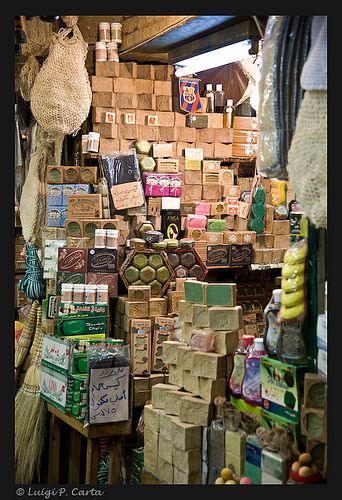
x,y
156,247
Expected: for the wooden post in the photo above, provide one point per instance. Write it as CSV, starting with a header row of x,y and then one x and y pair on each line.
x,y
92,461
74,457
54,449
114,461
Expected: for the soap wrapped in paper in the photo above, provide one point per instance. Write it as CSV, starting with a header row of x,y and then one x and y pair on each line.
x,y
202,340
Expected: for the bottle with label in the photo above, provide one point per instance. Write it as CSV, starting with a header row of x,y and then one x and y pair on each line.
x,y
251,385
290,343
219,98
210,95
272,323
228,114
236,377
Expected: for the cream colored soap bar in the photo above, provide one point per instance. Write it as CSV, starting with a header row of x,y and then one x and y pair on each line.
x,y
175,375
184,357
172,401
210,389
225,318
188,461
209,365
185,436
165,448
196,411
190,382
152,418
170,351
158,394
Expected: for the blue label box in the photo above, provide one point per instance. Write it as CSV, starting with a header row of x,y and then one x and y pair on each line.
x,y
55,195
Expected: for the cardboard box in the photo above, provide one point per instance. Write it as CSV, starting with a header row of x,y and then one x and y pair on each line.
x,y
101,84
245,123
72,260
107,68
282,394
218,255
85,206
110,279
141,353
162,150
211,166
102,260
241,254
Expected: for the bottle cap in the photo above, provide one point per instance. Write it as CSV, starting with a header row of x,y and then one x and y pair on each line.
x,y
247,339
209,86
277,294
219,86
259,344
230,102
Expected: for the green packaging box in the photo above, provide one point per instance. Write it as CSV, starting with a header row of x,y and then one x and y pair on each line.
x,y
282,387
68,277
253,459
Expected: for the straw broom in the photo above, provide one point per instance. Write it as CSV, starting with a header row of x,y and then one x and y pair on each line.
x,y
31,353
24,342
30,417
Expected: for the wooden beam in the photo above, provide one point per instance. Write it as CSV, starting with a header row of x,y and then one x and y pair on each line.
x,y
138,30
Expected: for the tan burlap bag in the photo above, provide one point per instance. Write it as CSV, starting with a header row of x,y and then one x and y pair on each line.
x,y
61,94
307,159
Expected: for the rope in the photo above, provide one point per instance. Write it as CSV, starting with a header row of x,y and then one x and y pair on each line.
x,y
32,284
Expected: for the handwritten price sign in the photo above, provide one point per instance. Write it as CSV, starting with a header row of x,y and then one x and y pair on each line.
x,y
108,394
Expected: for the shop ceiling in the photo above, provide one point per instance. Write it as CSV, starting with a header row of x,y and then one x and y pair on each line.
x,y
168,38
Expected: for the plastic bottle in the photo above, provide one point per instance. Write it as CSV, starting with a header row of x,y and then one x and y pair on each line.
x,y
228,114
210,95
290,343
219,98
236,377
272,323
251,385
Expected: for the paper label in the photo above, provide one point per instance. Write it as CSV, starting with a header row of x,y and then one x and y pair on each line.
x,y
127,195
108,394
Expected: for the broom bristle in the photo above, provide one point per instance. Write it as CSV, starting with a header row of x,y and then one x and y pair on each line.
x,y
30,415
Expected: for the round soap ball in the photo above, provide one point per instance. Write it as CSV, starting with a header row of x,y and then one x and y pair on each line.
x,y
147,274
160,245
226,474
138,282
187,259
196,271
187,243
181,271
305,459
140,260
131,274
173,259
219,480
162,274
155,287
155,260
246,480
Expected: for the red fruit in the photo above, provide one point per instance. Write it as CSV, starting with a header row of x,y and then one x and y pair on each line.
x,y
246,480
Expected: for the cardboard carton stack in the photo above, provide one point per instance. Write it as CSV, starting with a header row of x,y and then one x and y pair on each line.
x,y
141,95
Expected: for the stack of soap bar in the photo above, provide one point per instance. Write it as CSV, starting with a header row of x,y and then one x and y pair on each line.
x,y
209,389
194,291
235,450
170,351
221,294
152,417
202,340
185,310
209,365
226,342
184,357
176,375
191,382
196,411
185,436
200,316
225,318
173,400
158,394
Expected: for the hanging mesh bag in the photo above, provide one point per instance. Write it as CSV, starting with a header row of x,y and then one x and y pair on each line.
x,y
61,94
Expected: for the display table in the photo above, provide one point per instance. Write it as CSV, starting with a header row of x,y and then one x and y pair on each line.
x,y
92,433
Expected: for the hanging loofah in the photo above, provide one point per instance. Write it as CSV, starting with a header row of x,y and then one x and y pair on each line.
x,y
61,94
39,35
70,21
307,159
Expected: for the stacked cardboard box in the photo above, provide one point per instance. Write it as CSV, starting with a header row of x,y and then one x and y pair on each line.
x,y
140,95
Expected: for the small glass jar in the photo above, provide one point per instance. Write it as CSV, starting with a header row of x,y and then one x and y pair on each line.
x,y
93,141
79,292
116,32
101,294
112,238
104,32
112,51
100,51
67,292
84,143
90,294
100,238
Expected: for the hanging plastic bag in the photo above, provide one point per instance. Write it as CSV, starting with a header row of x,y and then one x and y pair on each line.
x,y
61,95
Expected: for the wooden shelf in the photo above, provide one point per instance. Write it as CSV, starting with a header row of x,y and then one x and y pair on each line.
x,y
260,267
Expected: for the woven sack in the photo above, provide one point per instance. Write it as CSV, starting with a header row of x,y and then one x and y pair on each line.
x,y
61,94
307,159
